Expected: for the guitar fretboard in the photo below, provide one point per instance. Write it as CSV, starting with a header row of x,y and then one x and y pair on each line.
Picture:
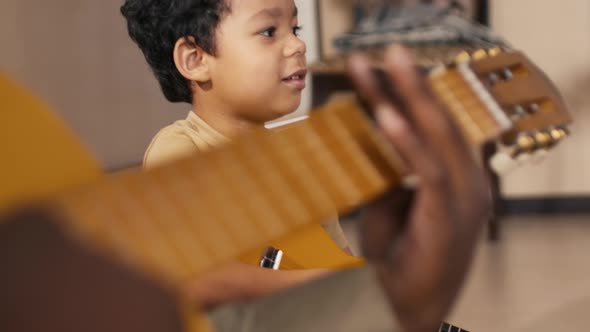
x,y
473,108
186,218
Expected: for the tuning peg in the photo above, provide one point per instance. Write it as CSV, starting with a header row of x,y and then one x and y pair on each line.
x,y
462,57
507,74
493,78
479,54
558,134
518,112
495,51
565,132
534,108
526,143
544,139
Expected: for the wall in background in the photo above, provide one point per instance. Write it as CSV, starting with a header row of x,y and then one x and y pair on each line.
x,y
556,35
77,56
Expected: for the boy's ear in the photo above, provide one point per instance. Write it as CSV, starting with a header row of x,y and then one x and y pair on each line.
x,y
192,61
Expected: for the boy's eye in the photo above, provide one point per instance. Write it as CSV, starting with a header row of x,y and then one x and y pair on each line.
x,y
270,32
296,30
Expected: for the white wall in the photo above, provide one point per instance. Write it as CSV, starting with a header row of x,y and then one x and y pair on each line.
x,y
556,35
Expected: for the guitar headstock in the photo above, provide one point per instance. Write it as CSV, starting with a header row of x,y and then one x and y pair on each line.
x,y
528,98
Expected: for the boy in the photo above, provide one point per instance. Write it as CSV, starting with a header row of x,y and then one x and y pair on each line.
x,y
239,63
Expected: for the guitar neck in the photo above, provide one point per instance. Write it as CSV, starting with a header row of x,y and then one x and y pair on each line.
x,y
186,218
183,219
190,216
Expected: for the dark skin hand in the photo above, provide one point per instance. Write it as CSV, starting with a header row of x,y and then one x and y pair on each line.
x,y
422,247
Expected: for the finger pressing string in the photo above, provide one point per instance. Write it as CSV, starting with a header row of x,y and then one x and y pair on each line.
x,y
404,74
365,81
409,145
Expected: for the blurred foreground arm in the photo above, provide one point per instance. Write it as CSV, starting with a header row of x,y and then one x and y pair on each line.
x,y
422,244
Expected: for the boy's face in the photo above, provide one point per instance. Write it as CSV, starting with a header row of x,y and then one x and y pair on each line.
x,y
260,66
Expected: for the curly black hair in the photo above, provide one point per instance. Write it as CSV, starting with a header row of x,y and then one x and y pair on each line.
x,y
156,25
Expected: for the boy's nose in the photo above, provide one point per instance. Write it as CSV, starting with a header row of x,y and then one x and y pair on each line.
x,y
295,46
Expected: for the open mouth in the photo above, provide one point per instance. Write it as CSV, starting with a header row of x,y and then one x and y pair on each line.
x,y
296,80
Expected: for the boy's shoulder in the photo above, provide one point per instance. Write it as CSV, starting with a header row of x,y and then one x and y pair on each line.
x,y
180,139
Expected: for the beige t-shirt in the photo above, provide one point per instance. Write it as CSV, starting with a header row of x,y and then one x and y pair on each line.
x,y
180,139
192,135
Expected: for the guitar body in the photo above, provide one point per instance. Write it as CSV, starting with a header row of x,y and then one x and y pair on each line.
x,y
40,155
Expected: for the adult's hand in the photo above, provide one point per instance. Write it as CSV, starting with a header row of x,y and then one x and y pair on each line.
x,y
422,247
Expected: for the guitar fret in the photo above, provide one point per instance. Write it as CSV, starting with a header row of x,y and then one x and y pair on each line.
x,y
210,233
133,206
456,106
335,144
475,108
292,159
92,224
363,174
229,209
200,215
176,223
491,106
173,237
213,203
454,83
331,174
112,224
310,149
476,133
254,157
258,211
374,148
196,215
447,92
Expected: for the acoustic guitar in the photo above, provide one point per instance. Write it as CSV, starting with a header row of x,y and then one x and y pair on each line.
x,y
174,223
